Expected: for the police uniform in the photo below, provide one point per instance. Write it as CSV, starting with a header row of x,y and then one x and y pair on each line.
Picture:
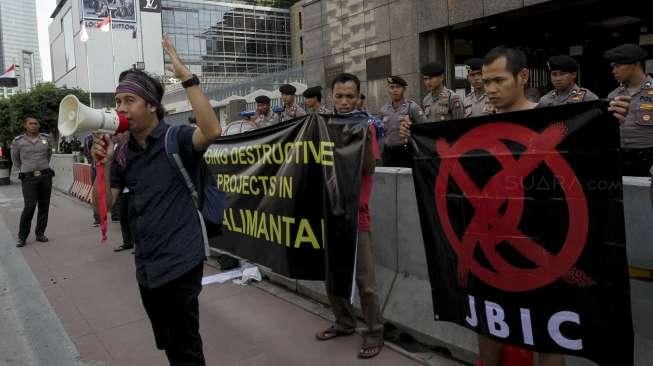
x,y
575,94
264,120
395,150
476,103
293,111
32,159
444,104
637,128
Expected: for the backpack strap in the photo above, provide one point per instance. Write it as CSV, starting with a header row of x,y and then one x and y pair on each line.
x,y
171,145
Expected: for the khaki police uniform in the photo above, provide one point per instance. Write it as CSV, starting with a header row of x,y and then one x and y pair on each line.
x,y
395,151
574,95
637,129
445,105
265,120
32,159
291,112
477,105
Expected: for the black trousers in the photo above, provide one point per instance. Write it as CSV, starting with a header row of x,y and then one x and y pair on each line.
x,y
637,162
173,310
124,223
36,192
397,156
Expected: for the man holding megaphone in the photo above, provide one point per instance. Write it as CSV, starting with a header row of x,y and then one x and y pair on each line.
x,y
163,220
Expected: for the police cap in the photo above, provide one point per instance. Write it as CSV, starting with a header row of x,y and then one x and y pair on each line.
x,y
287,89
262,99
474,64
432,69
313,92
397,80
562,63
625,54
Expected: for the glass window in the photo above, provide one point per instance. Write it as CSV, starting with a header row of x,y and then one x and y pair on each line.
x,y
260,24
239,22
281,25
181,43
249,23
228,46
269,25
180,17
240,46
168,17
69,45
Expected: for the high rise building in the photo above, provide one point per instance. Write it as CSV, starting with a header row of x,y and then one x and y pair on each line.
x,y
19,44
228,41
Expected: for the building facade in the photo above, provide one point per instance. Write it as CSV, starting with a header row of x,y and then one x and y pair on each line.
x,y
19,44
229,41
375,39
84,56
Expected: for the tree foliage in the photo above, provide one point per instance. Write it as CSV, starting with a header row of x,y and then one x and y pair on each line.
x,y
42,102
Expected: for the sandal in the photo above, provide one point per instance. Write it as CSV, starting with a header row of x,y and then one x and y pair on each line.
x,y
333,332
370,350
123,246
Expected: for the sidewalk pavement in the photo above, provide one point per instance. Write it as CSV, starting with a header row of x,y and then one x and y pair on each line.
x,y
94,293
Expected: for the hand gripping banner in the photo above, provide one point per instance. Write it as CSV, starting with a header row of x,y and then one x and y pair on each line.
x,y
522,221
292,196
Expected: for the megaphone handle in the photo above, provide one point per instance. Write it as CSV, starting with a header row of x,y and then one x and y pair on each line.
x,y
101,197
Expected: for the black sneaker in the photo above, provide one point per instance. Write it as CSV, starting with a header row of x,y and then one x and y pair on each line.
x,y
20,243
42,239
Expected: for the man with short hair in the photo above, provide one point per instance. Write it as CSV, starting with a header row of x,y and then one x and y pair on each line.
x,y
627,63
476,103
505,74
31,153
163,220
313,100
440,103
346,94
395,150
564,70
290,108
263,116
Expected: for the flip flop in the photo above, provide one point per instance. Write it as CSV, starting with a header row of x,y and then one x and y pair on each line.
x,y
369,351
333,332
123,246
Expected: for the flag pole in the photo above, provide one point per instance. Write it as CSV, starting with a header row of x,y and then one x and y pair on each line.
x,y
113,52
88,68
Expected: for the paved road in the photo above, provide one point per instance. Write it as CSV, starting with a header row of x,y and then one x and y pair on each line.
x,y
74,301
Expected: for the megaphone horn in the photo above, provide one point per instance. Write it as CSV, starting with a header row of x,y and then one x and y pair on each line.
x,y
75,117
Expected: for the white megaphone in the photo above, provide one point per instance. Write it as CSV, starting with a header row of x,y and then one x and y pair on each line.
x,y
75,117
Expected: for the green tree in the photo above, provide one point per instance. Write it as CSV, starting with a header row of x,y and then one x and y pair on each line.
x,y
42,102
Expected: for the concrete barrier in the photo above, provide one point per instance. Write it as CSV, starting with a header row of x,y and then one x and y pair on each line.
x,y
404,288
62,164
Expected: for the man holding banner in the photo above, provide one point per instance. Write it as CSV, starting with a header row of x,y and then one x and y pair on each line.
x,y
166,229
346,94
495,265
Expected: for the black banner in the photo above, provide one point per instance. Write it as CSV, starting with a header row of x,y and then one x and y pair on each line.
x,y
293,193
523,226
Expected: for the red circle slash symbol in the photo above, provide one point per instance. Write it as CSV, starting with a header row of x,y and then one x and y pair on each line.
x,y
489,227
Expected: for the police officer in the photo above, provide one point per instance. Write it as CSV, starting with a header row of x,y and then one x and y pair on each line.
x,y
290,108
313,100
627,63
563,71
395,150
263,116
476,103
31,154
440,103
